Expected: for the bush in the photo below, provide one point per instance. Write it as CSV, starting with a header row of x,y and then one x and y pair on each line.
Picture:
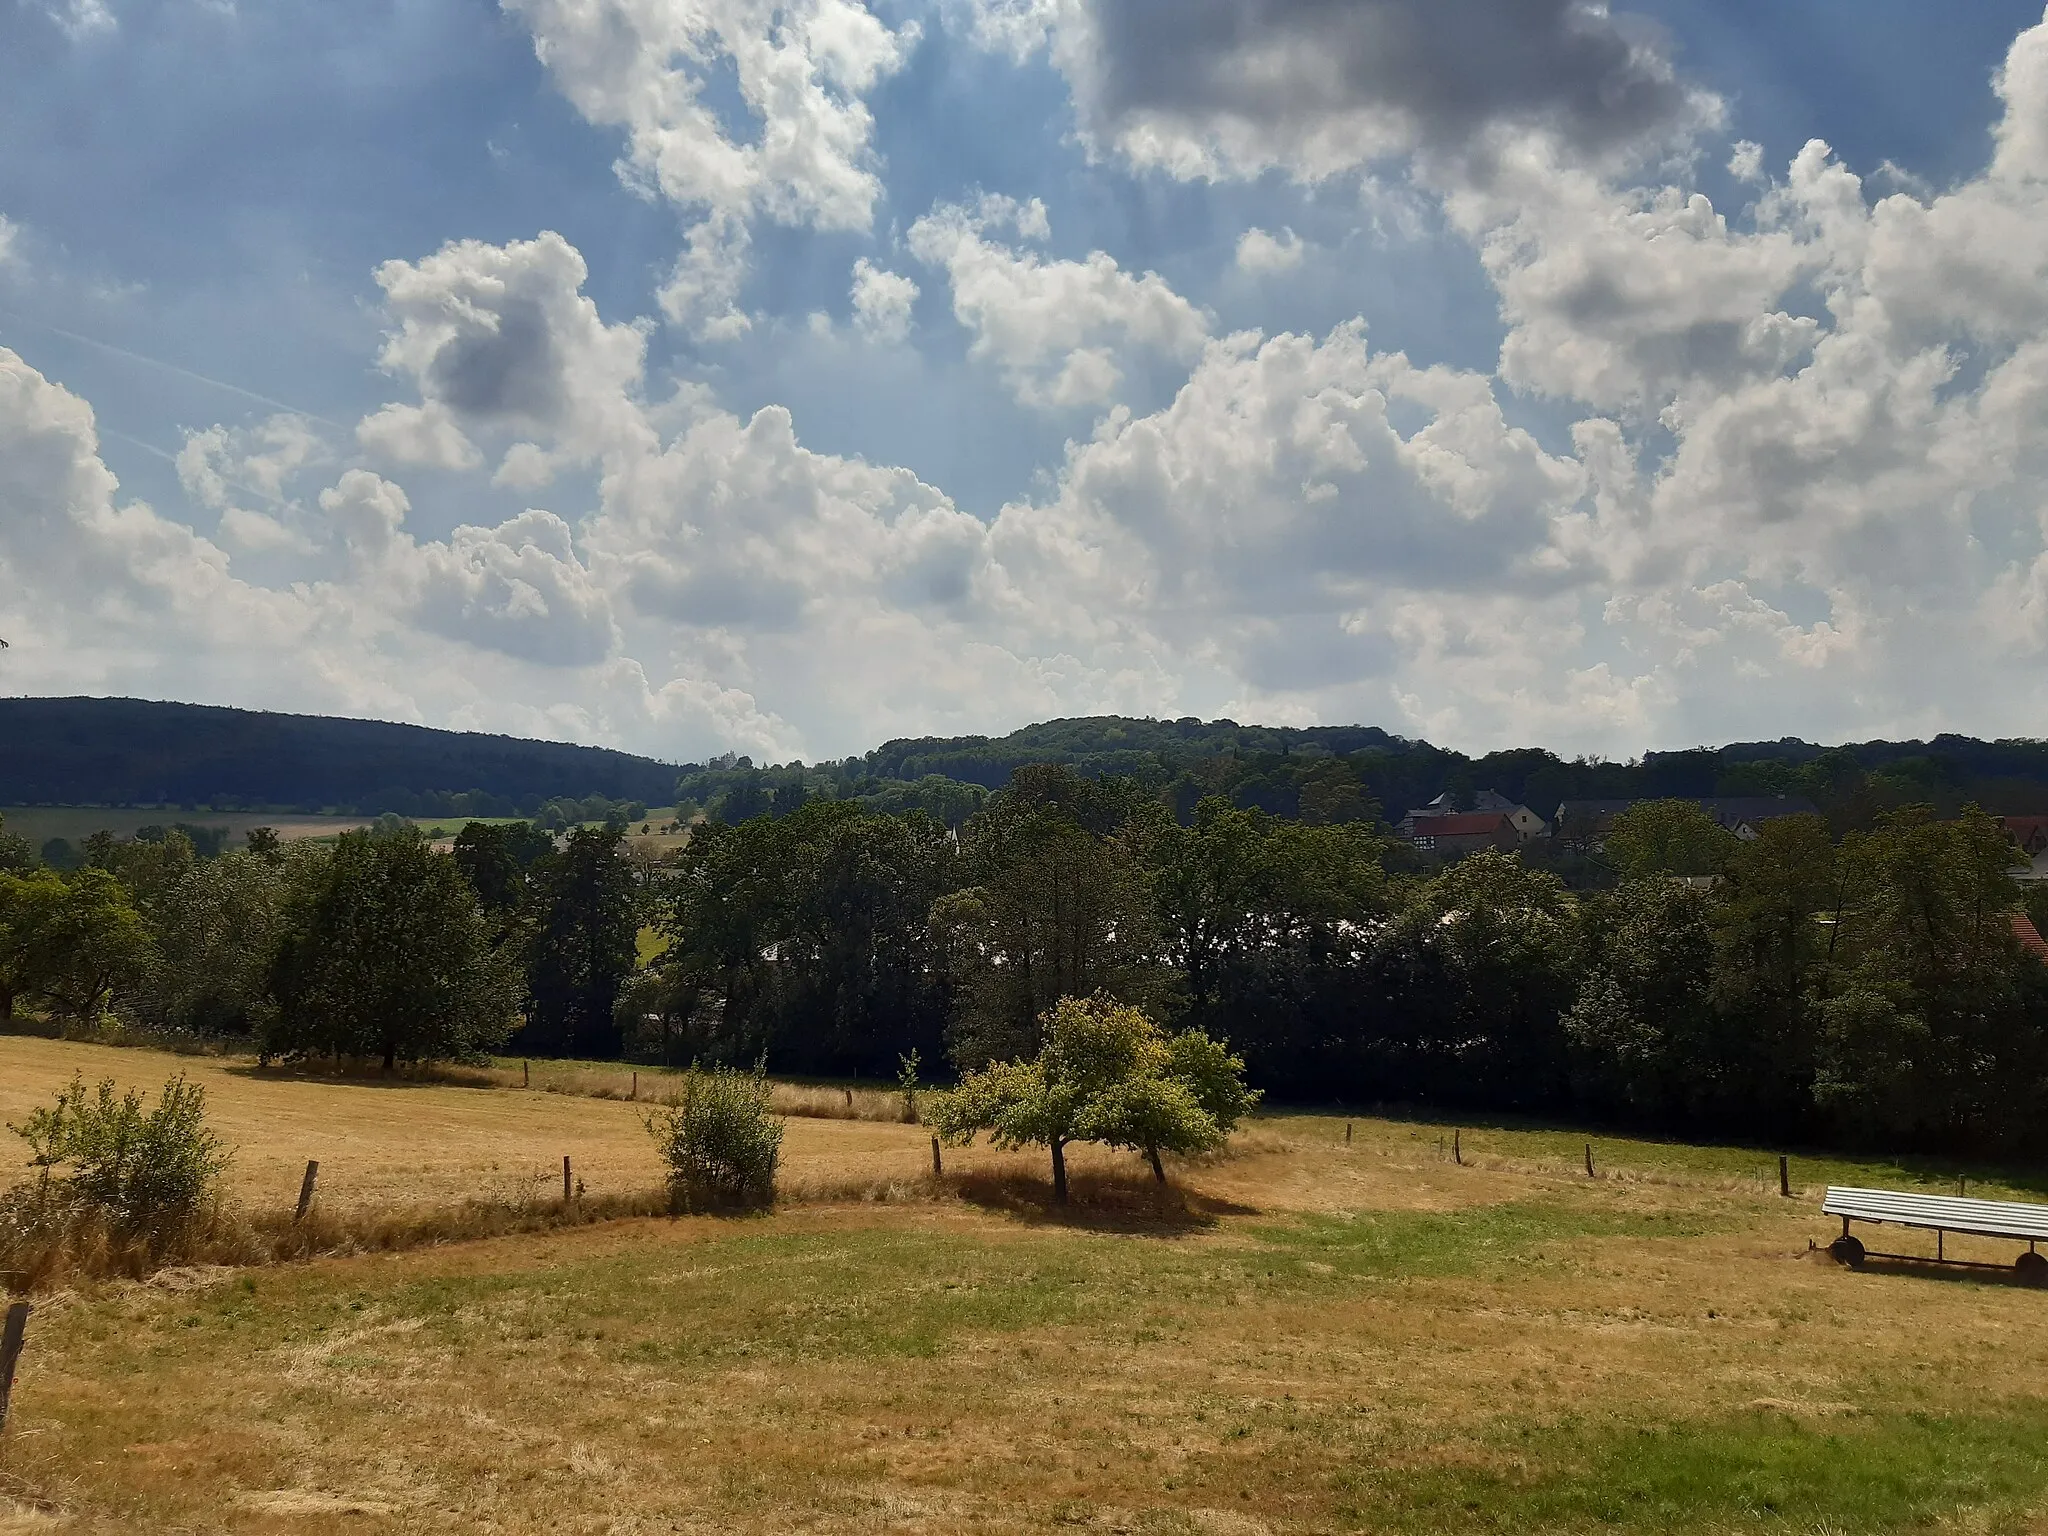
x,y
150,1174
720,1141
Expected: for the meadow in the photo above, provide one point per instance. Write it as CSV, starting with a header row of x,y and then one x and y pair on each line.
x,y
1311,1332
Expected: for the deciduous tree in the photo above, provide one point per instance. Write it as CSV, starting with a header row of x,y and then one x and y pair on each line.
x,y
1105,1073
1669,837
585,926
386,953
1057,903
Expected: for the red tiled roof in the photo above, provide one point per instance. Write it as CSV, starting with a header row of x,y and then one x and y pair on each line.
x,y
1467,824
2029,936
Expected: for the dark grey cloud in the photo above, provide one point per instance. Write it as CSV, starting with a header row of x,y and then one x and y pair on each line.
x,y
1270,76
512,371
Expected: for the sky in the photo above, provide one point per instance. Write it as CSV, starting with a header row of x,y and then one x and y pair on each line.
x,y
704,375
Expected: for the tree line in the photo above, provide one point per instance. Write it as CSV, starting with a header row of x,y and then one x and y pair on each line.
x,y
1339,774
373,946
1867,987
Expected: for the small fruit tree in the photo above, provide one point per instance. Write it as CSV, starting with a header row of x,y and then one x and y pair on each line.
x,y
1107,1074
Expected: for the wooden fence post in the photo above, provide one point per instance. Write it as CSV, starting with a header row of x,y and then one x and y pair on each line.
x,y
1347,1133
1784,1176
636,1086
1458,1147
938,1167
306,1188
1589,1160
10,1351
565,1178
526,1074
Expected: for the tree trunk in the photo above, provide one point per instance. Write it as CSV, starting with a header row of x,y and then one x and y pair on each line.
x,y
390,1054
1158,1168
1059,1172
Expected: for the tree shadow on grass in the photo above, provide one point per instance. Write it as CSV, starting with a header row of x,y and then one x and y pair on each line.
x,y
356,1074
1097,1202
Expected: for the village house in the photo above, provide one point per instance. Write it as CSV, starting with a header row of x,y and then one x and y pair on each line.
x,y
1584,824
1525,823
1463,832
2031,834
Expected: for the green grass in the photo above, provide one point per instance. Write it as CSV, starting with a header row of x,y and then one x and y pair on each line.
x,y
650,945
1810,1169
1863,1471
1483,1240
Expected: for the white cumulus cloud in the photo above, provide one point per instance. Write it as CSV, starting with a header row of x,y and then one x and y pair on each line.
x,y
882,301
1259,252
1057,330
803,71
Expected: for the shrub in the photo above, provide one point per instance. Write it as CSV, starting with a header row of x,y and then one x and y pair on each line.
x,y
720,1140
906,1084
151,1174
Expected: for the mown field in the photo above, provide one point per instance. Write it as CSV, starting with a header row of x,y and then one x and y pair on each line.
x,y
40,823
1310,1335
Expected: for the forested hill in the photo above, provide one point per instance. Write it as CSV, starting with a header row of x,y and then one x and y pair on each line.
x,y
1325,772
134,752
130,752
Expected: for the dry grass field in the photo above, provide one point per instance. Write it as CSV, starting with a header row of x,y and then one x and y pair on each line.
x,y
1308,1336
39,823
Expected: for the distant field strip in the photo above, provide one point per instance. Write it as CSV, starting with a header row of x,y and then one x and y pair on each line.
x,y
40,823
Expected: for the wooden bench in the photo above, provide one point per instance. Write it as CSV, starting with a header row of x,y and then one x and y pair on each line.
x,y
1941,1215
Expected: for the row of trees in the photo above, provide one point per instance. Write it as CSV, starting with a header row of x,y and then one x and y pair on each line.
x,y
374,946
1869,986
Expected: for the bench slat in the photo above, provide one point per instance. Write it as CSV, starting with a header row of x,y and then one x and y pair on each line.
x,y
1949,1213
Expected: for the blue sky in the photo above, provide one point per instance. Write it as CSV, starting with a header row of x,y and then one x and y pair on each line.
x,y
1507,485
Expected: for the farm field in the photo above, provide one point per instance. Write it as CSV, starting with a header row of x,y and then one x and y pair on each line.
x,y
1310,1335
75,823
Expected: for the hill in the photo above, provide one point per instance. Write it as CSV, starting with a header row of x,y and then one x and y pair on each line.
x,y
131,752
135,752
1338,772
